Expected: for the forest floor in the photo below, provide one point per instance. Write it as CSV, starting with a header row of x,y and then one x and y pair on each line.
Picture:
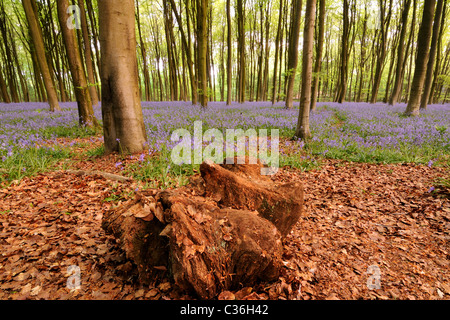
x,y
362,222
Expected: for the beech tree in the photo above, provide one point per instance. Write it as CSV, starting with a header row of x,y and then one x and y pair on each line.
x,y
400,69
38,43
123,123
319,50
230,52
80,83
293,52
364,51
202,45
241,50
303,131
432,55
423,49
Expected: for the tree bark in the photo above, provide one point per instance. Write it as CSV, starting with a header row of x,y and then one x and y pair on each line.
x,y
4,90
277,50
438,56
319,50
343,75
80,84
88,55
229,53
385,19
187,51
215,234
423,49
293,52
241,50
202,50
303,131
36,35
432,57
123,123
399,70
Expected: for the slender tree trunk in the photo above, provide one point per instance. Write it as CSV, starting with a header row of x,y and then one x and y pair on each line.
x,y
342,88
277,50
303,131
58,57
38,42
4,90
399,71
319,50
229,54
362,57
144,56
202,50
293,52
187,51
241,50
410,47
432,55
88,54
423,43
123,123
81,88
95,39
266,54
385,19
438,56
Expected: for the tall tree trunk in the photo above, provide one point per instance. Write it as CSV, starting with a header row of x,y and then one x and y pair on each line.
x,y
5,94
95,39
363,58
144,55
303,131
342,87
266,54
81,88
438,56
229,53
432,57
123,123
277,50
293,52
385,19
58,57
410,47
436,80
399,70
241,50
202,50
423,49
391,67
187,51
36,35
8,45
168,27
319,50
88,54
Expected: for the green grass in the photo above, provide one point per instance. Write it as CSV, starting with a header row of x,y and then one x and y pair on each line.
x,y
29,162
68,132
95,152
159,172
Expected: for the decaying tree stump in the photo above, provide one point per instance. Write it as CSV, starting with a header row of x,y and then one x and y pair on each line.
x,y
243,187
207,245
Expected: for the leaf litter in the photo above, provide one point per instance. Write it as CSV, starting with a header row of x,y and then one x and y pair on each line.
x,y
356,216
